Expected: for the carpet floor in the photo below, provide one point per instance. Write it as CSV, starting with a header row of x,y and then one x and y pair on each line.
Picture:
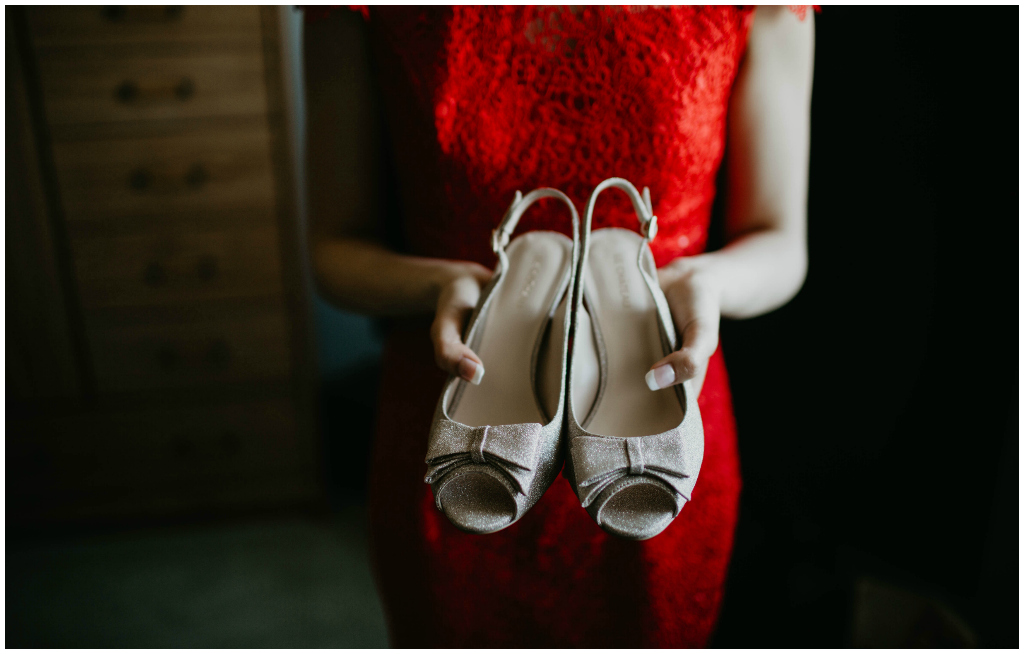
x,y
281,582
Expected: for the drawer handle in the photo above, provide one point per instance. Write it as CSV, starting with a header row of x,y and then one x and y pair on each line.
x,y
219,354
185,89
155,275
196,176
167,356
128,91
207,267
168,14
140,179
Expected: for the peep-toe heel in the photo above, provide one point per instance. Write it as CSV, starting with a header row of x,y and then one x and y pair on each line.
x,y
494,448
634,459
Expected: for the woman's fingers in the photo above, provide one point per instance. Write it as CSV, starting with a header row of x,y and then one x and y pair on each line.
x,y
694,305
452,355
453,309
700,339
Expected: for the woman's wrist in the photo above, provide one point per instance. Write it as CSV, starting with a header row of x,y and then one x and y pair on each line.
x,y
696,271
363,276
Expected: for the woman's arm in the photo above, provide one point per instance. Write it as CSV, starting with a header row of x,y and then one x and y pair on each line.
x,y
765,261
353,269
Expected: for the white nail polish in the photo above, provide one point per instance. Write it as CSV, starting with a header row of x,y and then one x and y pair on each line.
x,y
660,377
478,374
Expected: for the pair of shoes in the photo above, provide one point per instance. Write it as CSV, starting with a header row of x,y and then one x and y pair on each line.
x,y
631,454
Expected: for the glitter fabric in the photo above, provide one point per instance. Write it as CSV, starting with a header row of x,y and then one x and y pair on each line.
x,y
512,449
600,460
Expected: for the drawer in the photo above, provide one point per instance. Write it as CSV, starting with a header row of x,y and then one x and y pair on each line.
x,y
99,87
142,180
177,269
62,26
204,171
143,449
196,352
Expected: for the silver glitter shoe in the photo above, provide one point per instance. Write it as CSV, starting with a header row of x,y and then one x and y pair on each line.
x,y
634,459
496,447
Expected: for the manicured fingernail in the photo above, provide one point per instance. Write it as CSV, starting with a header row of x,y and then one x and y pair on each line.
x,y
471,371
660,377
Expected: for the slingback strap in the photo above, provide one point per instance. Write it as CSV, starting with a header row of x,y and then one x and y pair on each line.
x,y
648,229
503,232
501,236
641,205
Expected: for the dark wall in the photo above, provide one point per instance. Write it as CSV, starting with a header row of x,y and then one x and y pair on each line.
x,y
877,411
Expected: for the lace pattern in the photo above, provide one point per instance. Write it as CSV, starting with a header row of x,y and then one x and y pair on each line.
x,y
490,100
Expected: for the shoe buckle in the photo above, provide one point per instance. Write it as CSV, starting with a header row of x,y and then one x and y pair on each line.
x,y
649,228
499,239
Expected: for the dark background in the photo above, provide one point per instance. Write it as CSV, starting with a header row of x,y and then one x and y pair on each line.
x,y
877,411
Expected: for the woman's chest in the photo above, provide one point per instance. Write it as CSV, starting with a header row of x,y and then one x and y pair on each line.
x,y
494,72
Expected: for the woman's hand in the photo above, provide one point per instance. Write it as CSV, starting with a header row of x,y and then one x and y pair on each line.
x,y
694,297
458,294
765,261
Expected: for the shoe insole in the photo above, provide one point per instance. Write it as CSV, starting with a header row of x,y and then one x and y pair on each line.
x,y
627,319
516,318
586,375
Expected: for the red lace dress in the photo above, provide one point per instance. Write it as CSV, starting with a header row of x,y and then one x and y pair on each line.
x,y
482,102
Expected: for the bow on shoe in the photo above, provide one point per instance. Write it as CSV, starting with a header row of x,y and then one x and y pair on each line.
x,y
599,461
509,448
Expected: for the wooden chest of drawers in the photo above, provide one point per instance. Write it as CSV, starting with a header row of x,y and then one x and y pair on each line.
x,y
159,203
